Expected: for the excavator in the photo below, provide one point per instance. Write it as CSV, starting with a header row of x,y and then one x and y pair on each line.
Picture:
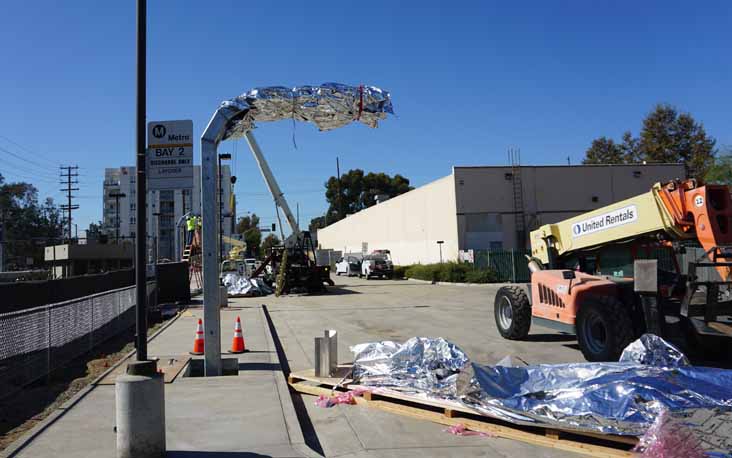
x,y
612,274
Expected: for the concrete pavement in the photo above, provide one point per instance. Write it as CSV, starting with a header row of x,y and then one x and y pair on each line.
x,y
249,415
368,310
254,415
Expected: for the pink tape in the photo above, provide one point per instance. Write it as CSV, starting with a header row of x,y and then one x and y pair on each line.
x,y
462,430
340,398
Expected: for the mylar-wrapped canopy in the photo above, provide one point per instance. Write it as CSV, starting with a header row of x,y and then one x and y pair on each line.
x,y
328,106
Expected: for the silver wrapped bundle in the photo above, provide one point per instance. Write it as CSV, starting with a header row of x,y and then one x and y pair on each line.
x,y
614,398
328,106
419,365
652,350
236,285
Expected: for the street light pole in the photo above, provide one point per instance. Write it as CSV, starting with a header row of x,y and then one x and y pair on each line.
x,y
140,393
141,233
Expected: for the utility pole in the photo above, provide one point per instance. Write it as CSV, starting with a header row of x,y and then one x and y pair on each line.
x,y
69,179
298,213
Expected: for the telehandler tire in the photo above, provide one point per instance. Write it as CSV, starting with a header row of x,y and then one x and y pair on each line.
x,y
512,311
604,328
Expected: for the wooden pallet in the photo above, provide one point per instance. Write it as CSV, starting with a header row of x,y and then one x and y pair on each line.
x,y
453,413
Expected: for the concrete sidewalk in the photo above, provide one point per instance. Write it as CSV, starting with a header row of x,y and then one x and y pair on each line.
x,y
246,416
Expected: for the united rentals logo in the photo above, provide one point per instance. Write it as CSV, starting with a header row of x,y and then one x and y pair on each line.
x,y
605,221
158,131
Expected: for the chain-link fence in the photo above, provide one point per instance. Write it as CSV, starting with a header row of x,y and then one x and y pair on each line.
x,y
509,265
39,340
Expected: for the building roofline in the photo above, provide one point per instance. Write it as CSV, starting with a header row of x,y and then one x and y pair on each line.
x,y
652,164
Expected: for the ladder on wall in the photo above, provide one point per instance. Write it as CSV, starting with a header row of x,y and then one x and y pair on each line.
x,y
514,157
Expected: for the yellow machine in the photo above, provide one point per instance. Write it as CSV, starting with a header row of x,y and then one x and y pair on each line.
x,y
612,274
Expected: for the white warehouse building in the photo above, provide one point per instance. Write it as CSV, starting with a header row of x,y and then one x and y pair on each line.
x,y
487,207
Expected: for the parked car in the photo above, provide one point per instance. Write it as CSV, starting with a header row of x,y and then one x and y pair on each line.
x,y
377,265
349,265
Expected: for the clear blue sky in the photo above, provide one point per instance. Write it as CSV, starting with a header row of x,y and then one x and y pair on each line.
x,y
468,80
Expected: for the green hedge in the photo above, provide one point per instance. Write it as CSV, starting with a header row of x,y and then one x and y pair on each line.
x,y
447,272
399,272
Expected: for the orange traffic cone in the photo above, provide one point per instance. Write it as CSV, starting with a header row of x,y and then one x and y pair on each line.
x,y
198,341
237,343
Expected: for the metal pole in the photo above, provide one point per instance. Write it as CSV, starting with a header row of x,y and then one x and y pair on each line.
x,y
2,243
340,196
221,212
140,235
116,222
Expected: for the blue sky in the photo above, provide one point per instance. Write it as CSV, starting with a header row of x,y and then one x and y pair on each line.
x,y
468,81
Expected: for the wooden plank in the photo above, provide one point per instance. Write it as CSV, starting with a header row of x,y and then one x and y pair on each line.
x,y
721,327
171,366
499,430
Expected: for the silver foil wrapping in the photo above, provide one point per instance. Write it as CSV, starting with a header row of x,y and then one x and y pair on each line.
x,y
652,350
328,106
614,398
236,285
420,365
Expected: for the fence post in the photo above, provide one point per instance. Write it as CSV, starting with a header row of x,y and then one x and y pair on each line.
x,y
50,344
119,311
513,266
91,331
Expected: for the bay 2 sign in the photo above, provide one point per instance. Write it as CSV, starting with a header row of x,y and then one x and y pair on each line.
x,y
169,155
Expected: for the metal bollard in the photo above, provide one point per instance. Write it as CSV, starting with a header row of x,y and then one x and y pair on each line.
x,y
326,354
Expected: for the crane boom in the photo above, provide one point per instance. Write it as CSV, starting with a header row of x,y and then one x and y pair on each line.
x,y
274,188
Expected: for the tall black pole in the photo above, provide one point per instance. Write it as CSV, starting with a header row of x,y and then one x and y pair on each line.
x,y
340,195
140,235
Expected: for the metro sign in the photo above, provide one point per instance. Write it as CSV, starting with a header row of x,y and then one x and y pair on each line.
x,y
170,155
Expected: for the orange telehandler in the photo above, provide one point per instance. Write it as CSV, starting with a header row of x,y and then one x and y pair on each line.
x,y
611,274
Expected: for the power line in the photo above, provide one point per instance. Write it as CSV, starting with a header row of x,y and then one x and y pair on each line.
x,y
40,156
26,169
70,179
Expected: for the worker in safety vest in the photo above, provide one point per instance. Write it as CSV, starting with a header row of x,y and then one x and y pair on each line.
x,y
190,229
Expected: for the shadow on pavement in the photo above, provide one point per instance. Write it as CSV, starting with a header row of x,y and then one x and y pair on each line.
x,y
195,454
306,424
550,338
258,367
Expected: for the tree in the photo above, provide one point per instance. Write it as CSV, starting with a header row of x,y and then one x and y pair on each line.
x,y
356,191
317,223
248,226
27,225
604,151
721,171
666,136
270,241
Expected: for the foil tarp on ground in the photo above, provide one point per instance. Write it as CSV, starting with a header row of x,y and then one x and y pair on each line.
x,y
419,365
236,285
624,398
328,106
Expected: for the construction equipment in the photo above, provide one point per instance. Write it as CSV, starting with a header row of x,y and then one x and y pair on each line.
x,y
611,274
298,270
